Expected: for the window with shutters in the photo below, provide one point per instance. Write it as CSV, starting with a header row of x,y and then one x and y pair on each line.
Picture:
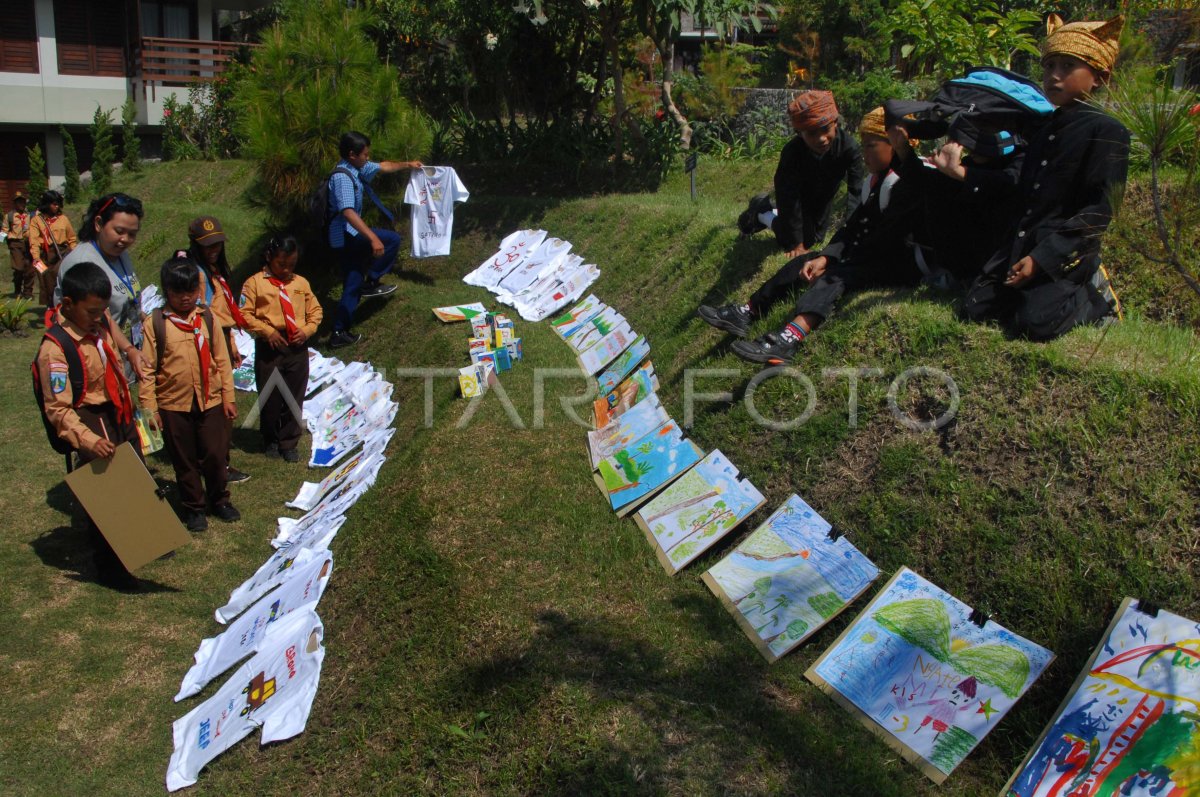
x,y
91,38
18,37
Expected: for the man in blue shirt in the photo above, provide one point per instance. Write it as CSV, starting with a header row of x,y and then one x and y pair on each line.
x,y
366,253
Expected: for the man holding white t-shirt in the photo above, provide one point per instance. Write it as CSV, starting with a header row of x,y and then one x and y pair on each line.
x,y
366,253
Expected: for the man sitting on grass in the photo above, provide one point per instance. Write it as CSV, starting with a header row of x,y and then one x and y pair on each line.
x,y
811,167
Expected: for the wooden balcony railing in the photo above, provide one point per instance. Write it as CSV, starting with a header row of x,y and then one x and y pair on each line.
x,y
182,61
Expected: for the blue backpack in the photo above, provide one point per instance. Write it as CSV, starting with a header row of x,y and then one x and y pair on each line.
x,y
990,111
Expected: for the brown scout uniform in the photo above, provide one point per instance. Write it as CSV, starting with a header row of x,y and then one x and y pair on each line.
x,y
195,432
264,314
63,234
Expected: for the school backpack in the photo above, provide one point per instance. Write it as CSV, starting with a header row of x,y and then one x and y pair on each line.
x,y
989,111
75,375
159,323
318,203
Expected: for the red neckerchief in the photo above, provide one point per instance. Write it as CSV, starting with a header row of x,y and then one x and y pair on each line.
x,y
194,327
115,386
285,302
238,318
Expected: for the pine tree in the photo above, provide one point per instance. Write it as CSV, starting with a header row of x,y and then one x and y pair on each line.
x,y
37,175
103,153
131,147
72,189
316,76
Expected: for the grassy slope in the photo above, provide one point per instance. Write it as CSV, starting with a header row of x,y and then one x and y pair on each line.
x,y
493,629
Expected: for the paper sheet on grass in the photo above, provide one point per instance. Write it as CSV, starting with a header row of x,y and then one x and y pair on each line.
x,y
920,674
1130,724
636,472
646,416
568,323
697,510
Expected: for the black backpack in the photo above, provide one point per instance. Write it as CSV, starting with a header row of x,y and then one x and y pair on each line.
x,y
318,203
75,374
989,111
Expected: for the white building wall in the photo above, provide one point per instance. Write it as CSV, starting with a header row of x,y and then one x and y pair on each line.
x,y
48,98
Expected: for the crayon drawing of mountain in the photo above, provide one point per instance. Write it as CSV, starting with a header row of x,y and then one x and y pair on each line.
x,y
569,322
788,578
697,510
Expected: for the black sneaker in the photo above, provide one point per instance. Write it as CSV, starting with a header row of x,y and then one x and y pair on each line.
x,y
728,317
341,338
748,222
374,290
235,476
195,522
770,349
272,451
227,513
289,454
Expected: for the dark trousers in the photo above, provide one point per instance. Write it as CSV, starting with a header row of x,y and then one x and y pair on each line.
x,y
822,296
277,420
784,286
47,281
102,419
359,267
22,268
1041,309
198,444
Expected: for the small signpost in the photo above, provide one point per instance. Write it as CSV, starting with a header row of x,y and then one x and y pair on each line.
x,y
689,165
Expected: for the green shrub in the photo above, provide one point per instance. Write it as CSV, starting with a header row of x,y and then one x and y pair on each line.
x,y
72,188
856,96
131,147
37,174
103,153
179,126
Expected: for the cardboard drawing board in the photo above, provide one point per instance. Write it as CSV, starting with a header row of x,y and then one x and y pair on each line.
x,y
926,673
121,497
1130,722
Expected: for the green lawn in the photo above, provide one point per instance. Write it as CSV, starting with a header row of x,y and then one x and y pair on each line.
x,y
492,628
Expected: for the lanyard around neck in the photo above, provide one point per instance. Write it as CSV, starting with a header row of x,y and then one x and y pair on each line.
x,y
124,275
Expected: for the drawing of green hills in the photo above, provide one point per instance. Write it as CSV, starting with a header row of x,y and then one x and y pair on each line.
x,y
925,623
764,544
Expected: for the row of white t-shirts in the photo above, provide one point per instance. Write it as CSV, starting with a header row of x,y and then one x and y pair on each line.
x,y
535,274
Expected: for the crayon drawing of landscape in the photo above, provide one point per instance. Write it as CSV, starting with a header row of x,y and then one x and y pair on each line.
x,y
643,418
642,468
697,510
927,678
787,579
1131,725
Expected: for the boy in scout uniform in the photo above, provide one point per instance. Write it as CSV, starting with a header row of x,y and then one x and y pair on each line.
x,y
188,391
100,419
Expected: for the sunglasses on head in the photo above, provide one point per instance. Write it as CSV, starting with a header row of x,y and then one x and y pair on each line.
x,y
120,201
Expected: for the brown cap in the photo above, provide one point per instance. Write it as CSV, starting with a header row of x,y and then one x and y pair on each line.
x,y
1094,43
812,110
206,230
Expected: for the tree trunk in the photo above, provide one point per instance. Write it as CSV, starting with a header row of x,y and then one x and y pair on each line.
x,y
612,44
668,75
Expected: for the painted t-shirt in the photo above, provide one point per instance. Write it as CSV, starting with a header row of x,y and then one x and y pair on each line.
x,y
274,691
432,192
255,630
